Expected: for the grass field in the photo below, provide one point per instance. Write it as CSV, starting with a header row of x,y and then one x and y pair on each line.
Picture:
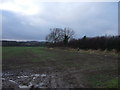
x,y
61,68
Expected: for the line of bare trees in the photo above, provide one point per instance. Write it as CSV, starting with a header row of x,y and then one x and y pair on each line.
x,y
64,38
102,42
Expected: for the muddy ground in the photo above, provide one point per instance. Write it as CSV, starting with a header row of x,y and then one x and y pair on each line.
x,y
41,78
55,70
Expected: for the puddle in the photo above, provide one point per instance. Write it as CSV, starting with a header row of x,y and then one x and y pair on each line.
x,y
43,75
34,78
23,86
36,75
22,76
12,81
25,81
30,85
3,78
7,74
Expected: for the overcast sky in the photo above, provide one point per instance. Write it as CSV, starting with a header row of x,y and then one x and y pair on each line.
x,y
32,19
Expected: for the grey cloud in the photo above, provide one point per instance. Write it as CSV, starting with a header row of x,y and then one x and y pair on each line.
x,y
91,19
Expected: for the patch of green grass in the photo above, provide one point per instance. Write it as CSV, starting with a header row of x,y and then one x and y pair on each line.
x,y
66,58
9,52
42,52
102,81
112,83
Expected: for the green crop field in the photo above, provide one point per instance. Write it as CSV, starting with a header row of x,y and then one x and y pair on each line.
x,y
74,68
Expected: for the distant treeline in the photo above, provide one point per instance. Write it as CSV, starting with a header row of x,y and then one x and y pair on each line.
x,y
27,43
102,42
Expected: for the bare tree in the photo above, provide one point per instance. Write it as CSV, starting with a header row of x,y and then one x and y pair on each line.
x,y
68,34
58,35
55,35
